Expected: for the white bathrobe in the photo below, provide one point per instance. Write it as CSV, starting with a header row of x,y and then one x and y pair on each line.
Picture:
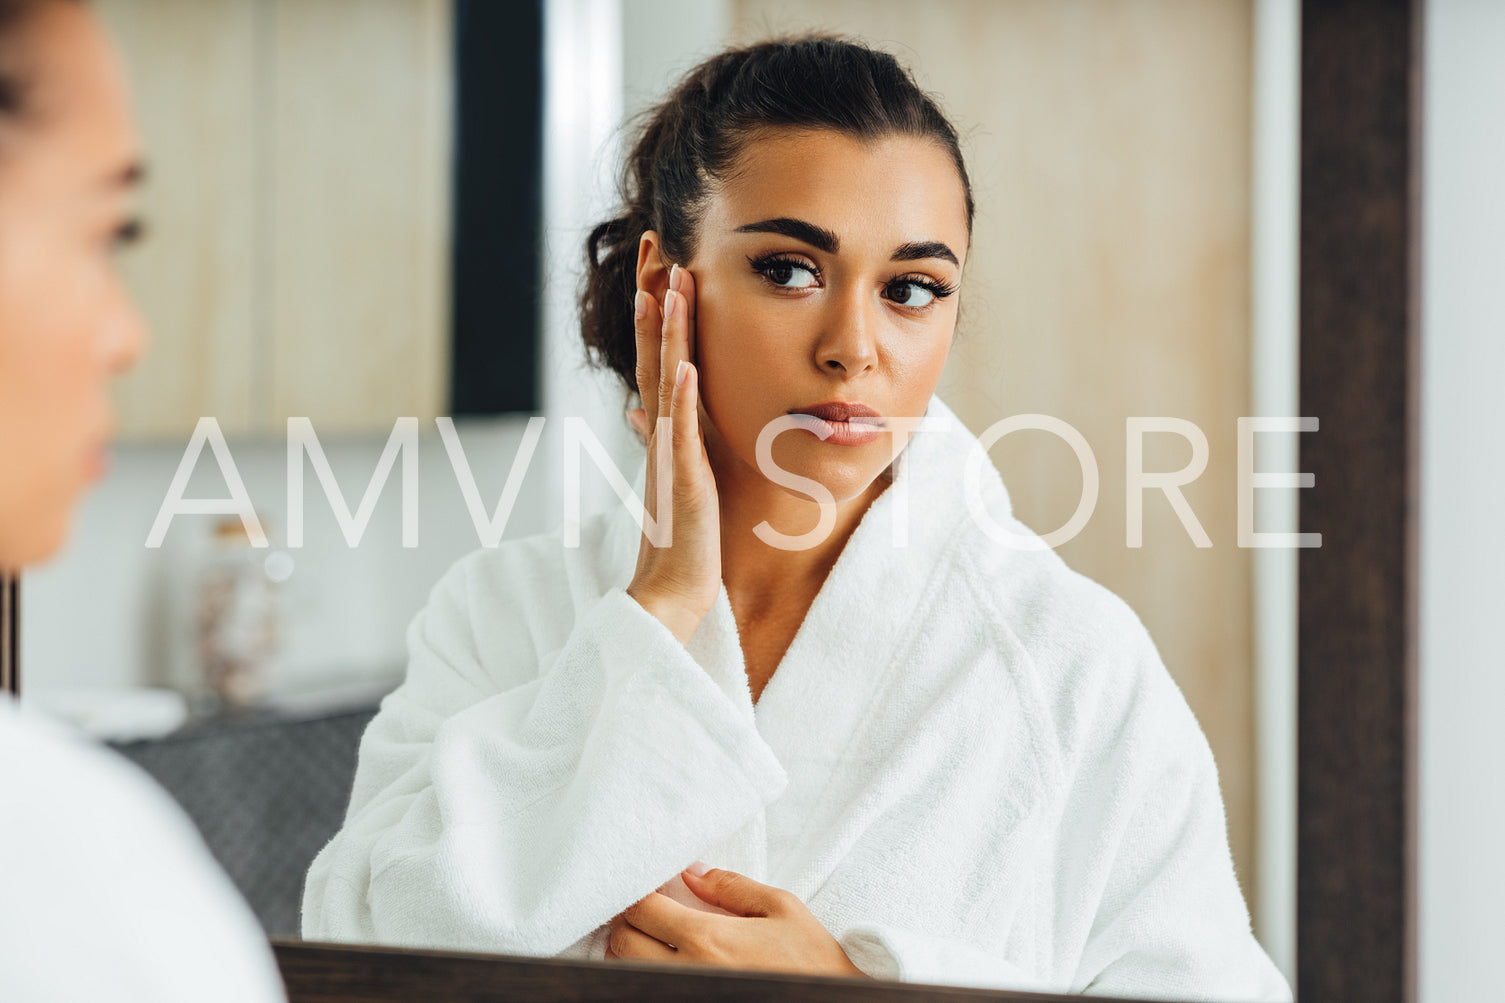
x,y
107,891
971,764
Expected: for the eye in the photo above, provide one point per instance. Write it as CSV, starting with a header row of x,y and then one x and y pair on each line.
x,y
910,294
785,272
917,294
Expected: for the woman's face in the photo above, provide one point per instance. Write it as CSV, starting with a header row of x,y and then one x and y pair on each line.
x,y
827,269
67,171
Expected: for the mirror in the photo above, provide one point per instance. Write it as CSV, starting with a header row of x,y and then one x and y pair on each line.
x,y
1133,257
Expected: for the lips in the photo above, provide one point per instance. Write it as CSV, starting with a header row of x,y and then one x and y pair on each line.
x,y
843,423
842,411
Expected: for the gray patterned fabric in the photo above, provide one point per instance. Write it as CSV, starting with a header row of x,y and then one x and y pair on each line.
x,y
266,791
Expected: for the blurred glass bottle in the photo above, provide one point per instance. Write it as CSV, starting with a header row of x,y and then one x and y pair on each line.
x,y
239,609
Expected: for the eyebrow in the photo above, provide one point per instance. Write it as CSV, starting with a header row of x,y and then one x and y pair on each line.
x,y
825,240
815,236
920,249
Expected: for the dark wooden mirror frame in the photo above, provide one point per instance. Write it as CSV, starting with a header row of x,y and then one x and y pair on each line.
x,y
1361,78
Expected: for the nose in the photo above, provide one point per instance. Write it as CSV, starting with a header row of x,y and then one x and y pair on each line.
x,y
848,342
125,336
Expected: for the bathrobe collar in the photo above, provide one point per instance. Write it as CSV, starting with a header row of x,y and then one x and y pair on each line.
x,y
860,618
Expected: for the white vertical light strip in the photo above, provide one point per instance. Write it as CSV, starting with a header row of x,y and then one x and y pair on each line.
x,y
1274,364
1461,685
582,112
600,56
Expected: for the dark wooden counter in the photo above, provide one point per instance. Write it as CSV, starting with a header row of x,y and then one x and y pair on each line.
x,y
326,973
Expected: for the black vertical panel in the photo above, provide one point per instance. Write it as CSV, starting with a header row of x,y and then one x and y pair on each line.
x,y
10,634
1361,137
498,206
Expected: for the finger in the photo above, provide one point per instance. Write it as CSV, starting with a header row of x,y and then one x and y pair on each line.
x,y
688,291
664,919
647,325
686,426
737,893
626,941
670,347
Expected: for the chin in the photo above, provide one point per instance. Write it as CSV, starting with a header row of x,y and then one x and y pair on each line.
x,y
33,540
845,476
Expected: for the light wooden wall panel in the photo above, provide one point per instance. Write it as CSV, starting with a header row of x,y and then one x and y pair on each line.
x,y
1109,145
360,158
298,210
192,70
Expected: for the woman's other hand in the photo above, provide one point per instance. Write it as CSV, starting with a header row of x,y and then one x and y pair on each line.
x,y
677,583
772,930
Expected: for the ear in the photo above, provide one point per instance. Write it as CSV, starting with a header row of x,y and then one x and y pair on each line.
x,y
653,269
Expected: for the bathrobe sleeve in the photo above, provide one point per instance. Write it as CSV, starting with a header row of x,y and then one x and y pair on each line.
x,y
511,801
885,951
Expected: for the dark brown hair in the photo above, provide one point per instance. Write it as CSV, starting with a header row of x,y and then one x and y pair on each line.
x,y
693,139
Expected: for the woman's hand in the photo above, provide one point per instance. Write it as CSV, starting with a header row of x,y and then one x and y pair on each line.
x,y
678,583
772,930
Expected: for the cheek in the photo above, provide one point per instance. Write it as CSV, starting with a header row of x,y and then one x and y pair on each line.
x,y
741,348
49,305
917,363
51,397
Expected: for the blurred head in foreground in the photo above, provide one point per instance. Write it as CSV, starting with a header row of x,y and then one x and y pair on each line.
x,y
68,172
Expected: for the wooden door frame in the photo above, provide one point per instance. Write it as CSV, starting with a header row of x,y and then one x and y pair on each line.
x,y
1361,141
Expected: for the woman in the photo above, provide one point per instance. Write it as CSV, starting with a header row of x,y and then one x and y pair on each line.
x,y
909,751
107,891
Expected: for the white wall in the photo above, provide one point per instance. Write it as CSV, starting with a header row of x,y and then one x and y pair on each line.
x,y
1462,871
111,611
661,39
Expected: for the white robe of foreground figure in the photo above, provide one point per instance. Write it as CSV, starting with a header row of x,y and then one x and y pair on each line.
x,y
971,764
107,890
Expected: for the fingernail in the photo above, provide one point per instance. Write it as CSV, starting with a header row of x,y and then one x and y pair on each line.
x,y
674,279
682,372
669,305
698,869
640,304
